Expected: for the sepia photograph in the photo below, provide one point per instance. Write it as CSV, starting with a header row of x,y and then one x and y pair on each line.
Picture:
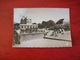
x,y
41,28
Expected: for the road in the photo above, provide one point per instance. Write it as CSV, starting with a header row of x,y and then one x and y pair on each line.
x,y
38,41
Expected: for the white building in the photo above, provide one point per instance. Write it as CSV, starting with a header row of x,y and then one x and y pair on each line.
x,y
26,25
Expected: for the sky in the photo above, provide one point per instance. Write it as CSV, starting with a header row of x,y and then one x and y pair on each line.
x,y
41,14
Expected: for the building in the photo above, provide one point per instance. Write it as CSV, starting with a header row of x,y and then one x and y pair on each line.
x,y
27,26
59,23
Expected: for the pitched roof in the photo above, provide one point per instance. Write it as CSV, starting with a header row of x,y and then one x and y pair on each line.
x,y
60,21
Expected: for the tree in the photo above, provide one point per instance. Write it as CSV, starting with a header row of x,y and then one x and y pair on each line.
x,y
50,23
39,25
44,24
67,26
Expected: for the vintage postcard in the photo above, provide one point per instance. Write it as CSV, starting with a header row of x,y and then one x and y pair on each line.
x,y
41,27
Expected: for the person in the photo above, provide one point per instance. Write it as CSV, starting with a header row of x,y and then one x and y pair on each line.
x,y
16,38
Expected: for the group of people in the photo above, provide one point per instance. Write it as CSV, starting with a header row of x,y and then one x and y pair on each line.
x,y
55,31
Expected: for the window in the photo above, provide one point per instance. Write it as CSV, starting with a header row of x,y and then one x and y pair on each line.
x,y
33,26
22,26
27,26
